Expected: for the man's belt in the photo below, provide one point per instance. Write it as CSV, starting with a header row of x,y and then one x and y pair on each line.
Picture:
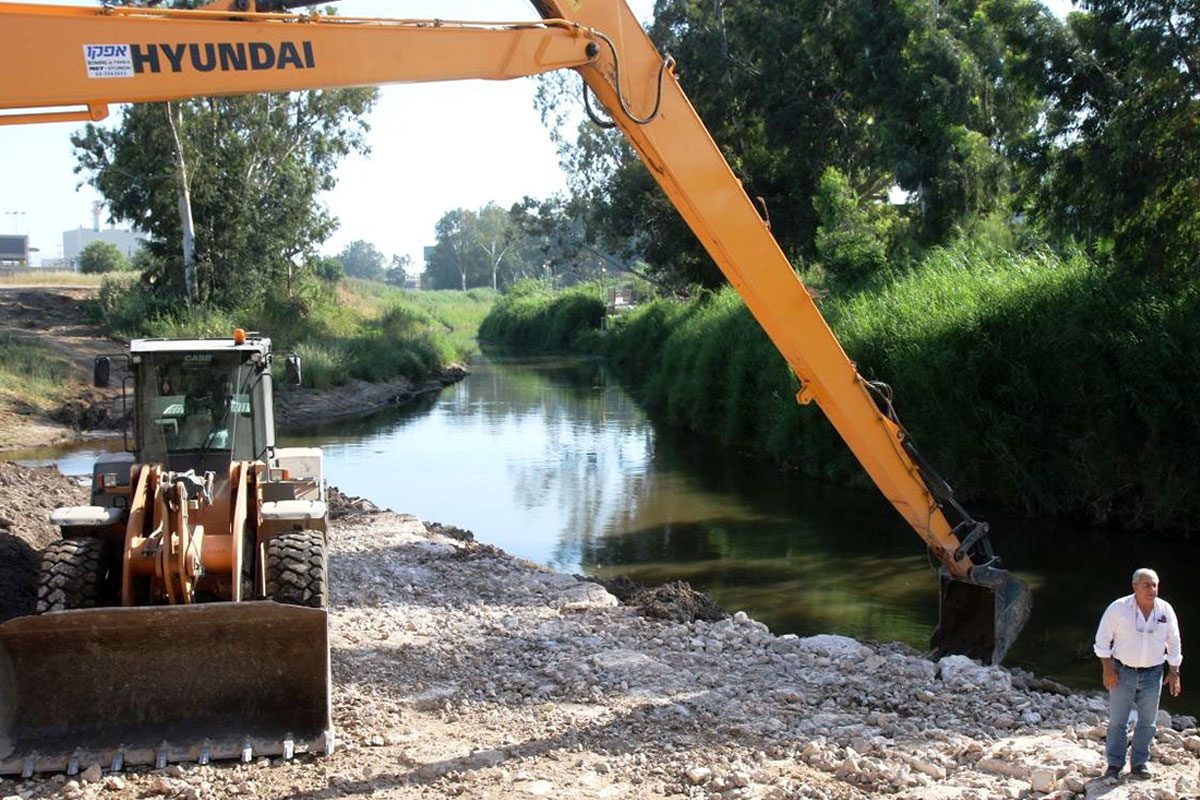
x,y
1138,669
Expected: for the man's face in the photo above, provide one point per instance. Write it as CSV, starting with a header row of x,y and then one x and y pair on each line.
x,y
1145,589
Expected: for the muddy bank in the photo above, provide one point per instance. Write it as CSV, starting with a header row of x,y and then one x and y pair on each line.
x,y
461,671
300,407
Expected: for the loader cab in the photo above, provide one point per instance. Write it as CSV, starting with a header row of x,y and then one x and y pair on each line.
x,y
201,403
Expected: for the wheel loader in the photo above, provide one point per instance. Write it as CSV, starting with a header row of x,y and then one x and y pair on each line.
x,y
69,63
182,615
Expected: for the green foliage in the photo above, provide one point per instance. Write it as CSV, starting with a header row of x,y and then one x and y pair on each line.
x,y
32,374
532,317
255,166
330,268
497,248
364,329
935,98
1119,157
1042,382
362,260
854,235
100,256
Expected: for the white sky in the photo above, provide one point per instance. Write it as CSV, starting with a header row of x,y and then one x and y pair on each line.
x,y
434,147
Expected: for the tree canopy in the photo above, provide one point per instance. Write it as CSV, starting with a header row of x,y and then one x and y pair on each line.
x,y
1120,151
362,260
255,166
937,100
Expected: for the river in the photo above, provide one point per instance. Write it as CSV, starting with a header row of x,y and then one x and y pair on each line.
x,y
553,461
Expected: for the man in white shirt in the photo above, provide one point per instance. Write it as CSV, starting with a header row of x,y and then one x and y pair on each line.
x,y
1136,634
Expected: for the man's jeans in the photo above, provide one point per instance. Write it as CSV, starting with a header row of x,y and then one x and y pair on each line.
x,y
1135,689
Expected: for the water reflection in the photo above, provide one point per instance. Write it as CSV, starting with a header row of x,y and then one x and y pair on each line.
x,y
552,461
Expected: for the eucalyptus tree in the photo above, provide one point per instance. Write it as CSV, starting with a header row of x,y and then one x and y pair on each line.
x,y
1121,148
255,166
928,97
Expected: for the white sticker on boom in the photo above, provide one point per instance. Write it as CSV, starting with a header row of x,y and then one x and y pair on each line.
x,y
108,60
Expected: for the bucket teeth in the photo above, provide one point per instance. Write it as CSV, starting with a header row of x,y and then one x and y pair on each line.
x,y
237,748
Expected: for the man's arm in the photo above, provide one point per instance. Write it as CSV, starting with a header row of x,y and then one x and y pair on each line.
x,y
1174,653
1105,634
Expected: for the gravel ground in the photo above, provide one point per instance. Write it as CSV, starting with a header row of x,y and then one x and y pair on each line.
x,y
461,671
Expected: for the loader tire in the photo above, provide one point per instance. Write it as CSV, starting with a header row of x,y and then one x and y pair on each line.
x,y
297,569
18,577
72,575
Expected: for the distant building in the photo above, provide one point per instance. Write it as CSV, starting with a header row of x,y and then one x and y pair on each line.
x,y
74,241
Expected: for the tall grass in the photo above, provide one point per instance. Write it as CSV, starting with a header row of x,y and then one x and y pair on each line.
x,y
49,277
358,329
32,374
1033,379
531,316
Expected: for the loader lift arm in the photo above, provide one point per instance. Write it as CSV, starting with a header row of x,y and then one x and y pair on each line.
x,y
86,58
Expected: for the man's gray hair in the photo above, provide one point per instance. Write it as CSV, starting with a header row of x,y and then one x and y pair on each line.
x,y
1144,572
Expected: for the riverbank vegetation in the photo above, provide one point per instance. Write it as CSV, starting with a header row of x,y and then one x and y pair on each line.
x,y
1039,381
347,329
32,376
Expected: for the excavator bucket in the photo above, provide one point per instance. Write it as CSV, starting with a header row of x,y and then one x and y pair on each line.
x,y
116,686
980,617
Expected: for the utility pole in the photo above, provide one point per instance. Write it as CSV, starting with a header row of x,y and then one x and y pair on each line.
x,y
14,215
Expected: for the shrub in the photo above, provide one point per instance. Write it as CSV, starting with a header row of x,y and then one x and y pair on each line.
x,y
855,234
100,256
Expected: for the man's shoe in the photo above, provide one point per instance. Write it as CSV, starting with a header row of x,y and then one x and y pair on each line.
x,y
1141,772
1112,773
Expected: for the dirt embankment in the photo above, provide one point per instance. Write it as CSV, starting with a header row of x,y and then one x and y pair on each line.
x,y
53,317
461,671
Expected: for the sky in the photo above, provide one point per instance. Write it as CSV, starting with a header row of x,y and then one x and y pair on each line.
x,y
434,147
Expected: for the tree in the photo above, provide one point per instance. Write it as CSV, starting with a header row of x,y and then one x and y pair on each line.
x,y
362,260
255,165
1120,153
495,235
854,234
397,272
454,263
927,96
101,256
330,268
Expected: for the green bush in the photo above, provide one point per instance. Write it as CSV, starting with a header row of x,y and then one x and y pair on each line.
x,y
99,256
371,331
855,234
531,317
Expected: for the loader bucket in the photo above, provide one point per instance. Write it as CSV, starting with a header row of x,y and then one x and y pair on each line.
x,y
115,686
980,617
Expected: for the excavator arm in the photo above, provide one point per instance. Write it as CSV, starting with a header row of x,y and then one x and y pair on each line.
x,y
70,63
